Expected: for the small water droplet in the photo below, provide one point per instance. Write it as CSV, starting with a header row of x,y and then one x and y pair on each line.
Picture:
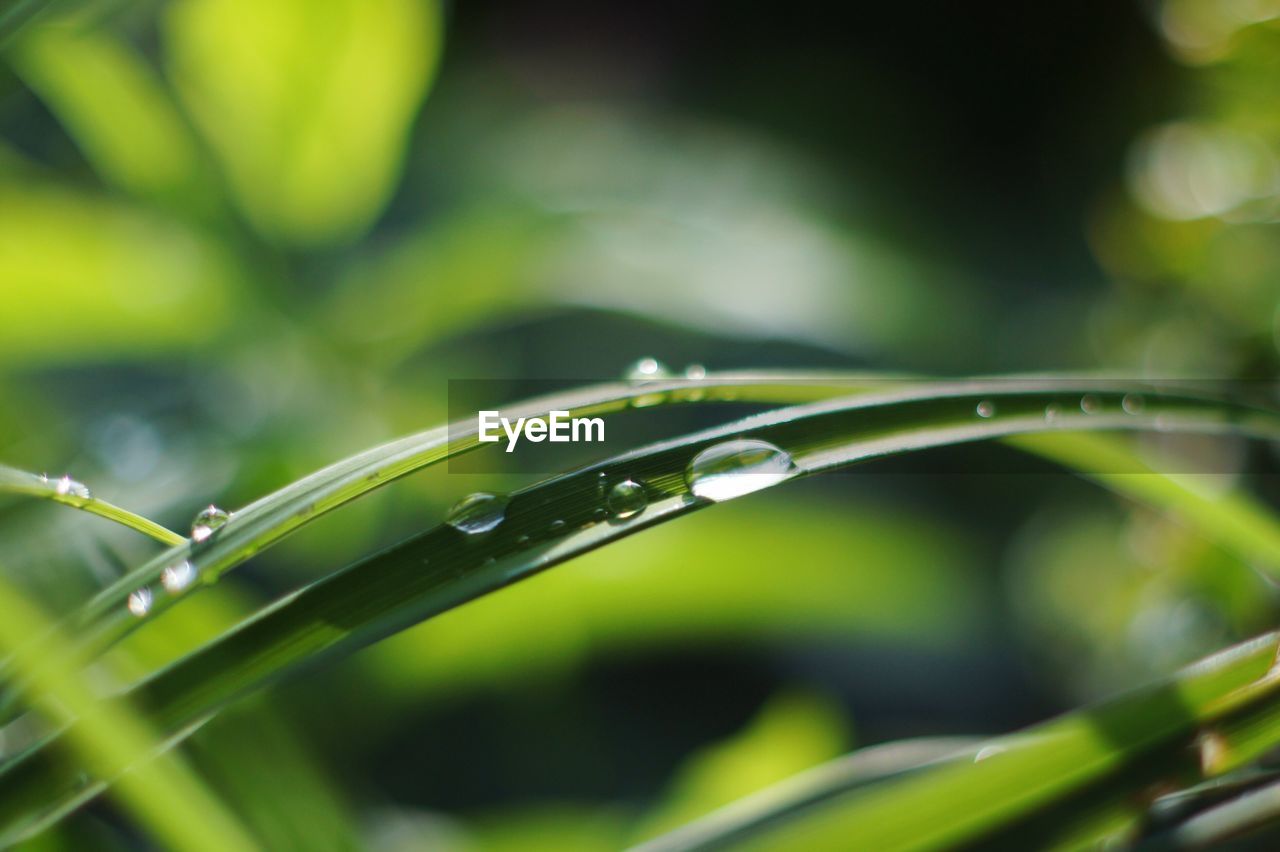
x,y
556,526
646,370
734,468
140,602
626,499
695,372
477,513
1052,411
986,409
69,487
1133,403
175,578
523,541
208,521
1090,404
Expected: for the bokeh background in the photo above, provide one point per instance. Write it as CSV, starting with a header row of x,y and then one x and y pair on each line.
x,y
240,239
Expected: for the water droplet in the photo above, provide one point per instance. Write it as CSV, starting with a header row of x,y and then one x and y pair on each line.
x,y
477,513
646,370
175,578
986,409
696,372
556,526
1090,404
1052,411
626,499
1133,403
140,602
207,521
738,467
69,487
523,541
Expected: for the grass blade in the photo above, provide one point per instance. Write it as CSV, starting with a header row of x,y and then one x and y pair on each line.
x,y
1233,519
68,492
976,795
1022,403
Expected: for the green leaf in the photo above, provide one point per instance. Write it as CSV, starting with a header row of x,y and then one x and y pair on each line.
x,y
119,281
307,104
116,108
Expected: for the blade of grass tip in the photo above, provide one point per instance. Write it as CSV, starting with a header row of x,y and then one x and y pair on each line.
x,y
559,518
958,802
162,794
69,492
267,521
1233,519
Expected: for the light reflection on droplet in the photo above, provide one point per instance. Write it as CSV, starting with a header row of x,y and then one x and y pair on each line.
x,y
734,468
139,602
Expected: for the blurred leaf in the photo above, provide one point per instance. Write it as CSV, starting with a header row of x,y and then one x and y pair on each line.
x,y
119,282
15,14
900,578
306,103
791,733
169,801
292,806
117,110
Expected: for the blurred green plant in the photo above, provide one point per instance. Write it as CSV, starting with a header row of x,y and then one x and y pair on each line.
x,y
490,541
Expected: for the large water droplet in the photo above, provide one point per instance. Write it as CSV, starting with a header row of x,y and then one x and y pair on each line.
x,y
626,499
477,513
177,577
69,487
1133,403
207,521
696,372
647,369
1090,404
738,467
139,602
986,409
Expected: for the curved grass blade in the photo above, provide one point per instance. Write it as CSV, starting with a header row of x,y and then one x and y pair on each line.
x,y
69,492
275,516
1233,519
557,519
988,795
738,820
1022,403
168,801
